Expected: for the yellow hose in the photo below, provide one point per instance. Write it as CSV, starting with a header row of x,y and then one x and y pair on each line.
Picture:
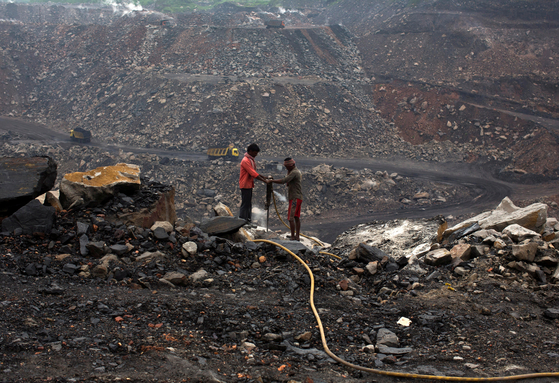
x,y
330,254
391,373
381,372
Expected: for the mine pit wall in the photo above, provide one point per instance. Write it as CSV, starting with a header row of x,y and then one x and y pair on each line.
x,y
434,63
422,69
304,88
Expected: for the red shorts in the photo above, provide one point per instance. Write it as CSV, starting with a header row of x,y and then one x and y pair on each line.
x,y
297,211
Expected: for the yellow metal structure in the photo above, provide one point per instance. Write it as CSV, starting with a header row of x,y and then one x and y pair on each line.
x,y
80,135
228,153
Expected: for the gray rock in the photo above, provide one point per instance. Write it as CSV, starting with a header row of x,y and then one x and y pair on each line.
x,y
386,337
70,268
525,252
96,249
119,249
477,251
293,246
518,233
150,255
222,225
366,253
82,228
160,233
551,313
84,241
189,248
207,192
31,218
22,179
197,276
395,351
176,278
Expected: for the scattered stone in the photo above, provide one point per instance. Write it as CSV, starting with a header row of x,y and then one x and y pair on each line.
x,y
222,225
438,257
526,252
551,313
31,218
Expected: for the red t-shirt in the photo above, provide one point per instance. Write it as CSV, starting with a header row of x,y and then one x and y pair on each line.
x,y
248,172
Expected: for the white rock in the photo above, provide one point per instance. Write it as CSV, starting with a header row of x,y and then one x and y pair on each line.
x,y
167,226
518,233
189,248
200,274
532,217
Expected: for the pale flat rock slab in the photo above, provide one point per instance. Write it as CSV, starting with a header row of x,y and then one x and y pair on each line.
x,y
222,225
293,246
531,217
167,226
518,233
394,350
438,257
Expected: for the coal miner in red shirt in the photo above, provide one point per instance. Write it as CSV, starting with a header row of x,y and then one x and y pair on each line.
x,y
246,181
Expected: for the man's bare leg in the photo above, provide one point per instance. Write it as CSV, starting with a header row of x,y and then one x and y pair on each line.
x,y
292,227
297,228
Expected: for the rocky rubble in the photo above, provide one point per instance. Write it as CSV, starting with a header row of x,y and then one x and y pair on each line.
x,y
99,299
513,239
200,185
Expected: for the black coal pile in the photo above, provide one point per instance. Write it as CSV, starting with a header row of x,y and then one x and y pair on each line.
x,y
97,300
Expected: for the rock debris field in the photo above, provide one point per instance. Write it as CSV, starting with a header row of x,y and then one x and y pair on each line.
x,y
97,300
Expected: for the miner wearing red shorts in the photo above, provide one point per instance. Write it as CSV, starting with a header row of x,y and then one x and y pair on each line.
x,y
294,195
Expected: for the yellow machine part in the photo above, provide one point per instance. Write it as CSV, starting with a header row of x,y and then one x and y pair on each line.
x,y
222,152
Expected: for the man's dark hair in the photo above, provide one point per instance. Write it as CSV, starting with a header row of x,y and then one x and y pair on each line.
x,y
287,159
253,148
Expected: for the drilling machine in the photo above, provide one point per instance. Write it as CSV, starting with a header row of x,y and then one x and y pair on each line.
x,y
269,191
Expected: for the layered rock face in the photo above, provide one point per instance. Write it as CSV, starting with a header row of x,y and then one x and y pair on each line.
x,y
220,78
472,72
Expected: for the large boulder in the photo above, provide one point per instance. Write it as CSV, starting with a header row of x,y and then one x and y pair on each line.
x,y
23,179
531,217
31,218
222,225
96,186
